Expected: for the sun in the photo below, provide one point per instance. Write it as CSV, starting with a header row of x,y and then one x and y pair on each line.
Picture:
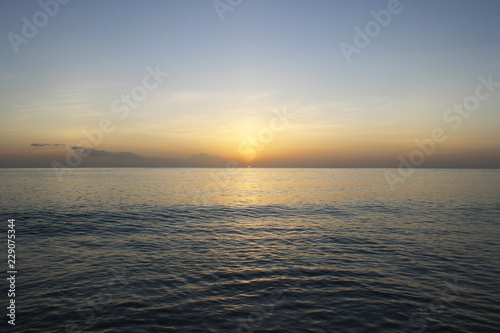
x,y
249,166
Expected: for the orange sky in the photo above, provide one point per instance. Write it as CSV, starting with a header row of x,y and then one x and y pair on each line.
x,y
272,93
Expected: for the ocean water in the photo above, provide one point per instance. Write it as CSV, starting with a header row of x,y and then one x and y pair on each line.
x,y
253,250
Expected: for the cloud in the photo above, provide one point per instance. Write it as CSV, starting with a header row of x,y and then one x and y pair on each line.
x,y
95,157
103,158
48,144
104,153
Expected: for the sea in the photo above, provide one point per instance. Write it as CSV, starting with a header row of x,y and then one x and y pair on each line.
x,y
252,250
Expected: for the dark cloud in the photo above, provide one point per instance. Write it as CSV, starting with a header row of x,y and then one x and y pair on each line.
x,y
95,157
126,155
47,144
104,153
98,153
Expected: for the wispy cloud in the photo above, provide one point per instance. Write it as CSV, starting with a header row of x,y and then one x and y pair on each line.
x,y
48,144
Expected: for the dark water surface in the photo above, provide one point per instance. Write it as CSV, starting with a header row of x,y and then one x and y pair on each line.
x,y
259,250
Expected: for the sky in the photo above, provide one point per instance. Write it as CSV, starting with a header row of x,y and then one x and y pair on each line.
x,y
268,83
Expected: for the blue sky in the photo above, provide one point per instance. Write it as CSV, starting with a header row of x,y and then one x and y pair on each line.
x,y
226,77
